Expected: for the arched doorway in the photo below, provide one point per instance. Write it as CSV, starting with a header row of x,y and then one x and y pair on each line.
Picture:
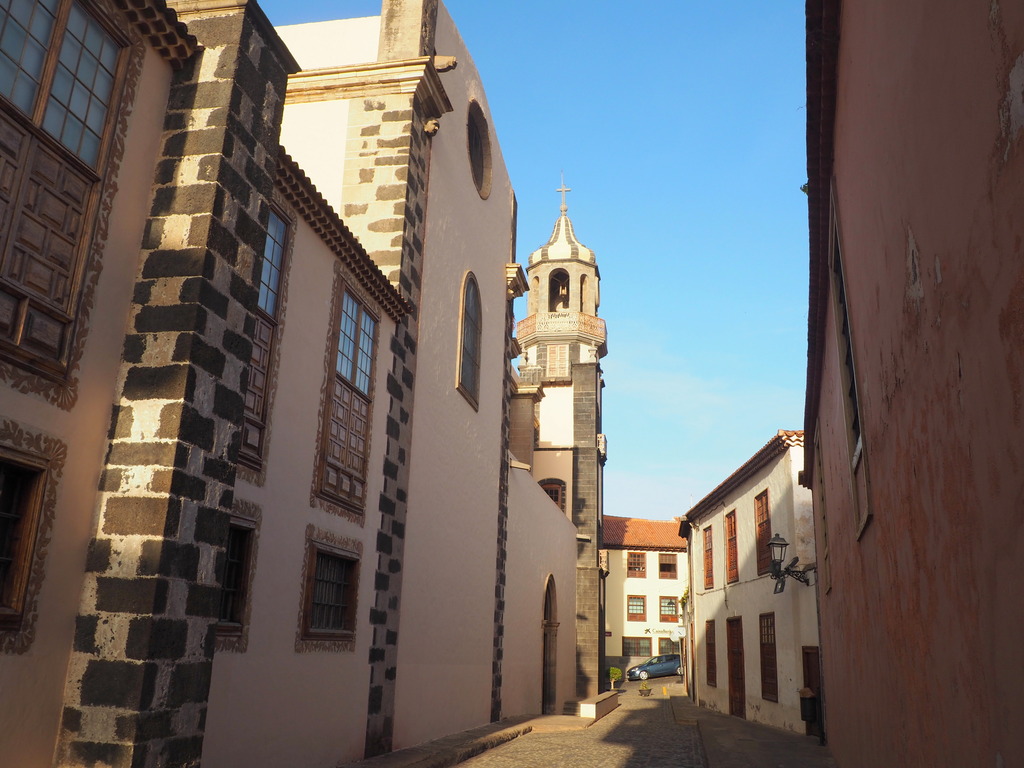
x,y
548,680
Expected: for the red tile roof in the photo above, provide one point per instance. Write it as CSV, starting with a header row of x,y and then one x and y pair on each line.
x,y
633,533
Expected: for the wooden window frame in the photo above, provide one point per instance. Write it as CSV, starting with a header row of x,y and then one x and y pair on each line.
x,y
20,537
732,561
340,387
350,588
234,579
666,645
470,342
637,645
265,341
668,559
633,615
769,657
46,234
636,565
710,654
668,618
556,491
763,527
709,559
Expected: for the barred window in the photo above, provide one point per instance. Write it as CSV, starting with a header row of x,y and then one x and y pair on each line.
x,y
636,608
19,520
330,593
235,578
667,645
636,646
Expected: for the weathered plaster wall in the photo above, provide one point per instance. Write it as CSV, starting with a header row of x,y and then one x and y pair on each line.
x,y
929,166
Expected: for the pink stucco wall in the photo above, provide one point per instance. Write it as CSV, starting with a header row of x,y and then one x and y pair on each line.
x,y
922,628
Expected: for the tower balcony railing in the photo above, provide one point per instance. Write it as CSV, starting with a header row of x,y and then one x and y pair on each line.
x,y
565,323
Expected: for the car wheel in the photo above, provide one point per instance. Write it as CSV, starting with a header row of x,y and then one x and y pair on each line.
x,y
643,675
679,671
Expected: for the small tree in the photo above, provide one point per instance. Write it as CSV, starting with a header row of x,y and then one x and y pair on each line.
x,y
614,675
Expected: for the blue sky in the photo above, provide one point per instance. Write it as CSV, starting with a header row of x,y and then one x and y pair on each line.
x,y
680,130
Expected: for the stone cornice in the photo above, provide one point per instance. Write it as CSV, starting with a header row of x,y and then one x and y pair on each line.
x,y
515,281
159,26
307,201
207,8
412,76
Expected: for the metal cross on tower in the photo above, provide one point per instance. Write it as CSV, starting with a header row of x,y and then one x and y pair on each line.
x,y
563,189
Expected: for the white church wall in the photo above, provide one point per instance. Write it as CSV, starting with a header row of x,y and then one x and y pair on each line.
x,y
445,644
541,543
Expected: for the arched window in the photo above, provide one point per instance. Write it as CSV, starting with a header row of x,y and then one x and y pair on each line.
x,y
469,342
556,490
558,291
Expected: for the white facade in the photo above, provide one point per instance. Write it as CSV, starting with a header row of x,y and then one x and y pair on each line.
x,y
646,561
740,599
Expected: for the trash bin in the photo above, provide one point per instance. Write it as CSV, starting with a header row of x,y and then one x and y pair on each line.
x,y
808,705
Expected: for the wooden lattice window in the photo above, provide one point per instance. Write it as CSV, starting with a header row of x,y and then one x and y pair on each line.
x,y
668,609
711,653
256,406
59,75
636,646
667,568
235,578
763,523
709,560
732,564
636,608
667,645
470,341
346,445
769,667
20,500
636,565
330,595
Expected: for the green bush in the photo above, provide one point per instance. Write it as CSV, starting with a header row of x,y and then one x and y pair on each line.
x,y
614,673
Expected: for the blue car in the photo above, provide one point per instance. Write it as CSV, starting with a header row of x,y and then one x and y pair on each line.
x,y
656,666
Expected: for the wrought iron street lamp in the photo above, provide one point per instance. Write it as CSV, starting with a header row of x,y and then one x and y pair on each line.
x,y
777,546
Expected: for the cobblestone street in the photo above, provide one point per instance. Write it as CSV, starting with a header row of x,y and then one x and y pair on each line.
x,y
640,733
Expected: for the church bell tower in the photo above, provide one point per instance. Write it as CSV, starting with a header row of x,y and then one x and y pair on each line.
x,y
563,341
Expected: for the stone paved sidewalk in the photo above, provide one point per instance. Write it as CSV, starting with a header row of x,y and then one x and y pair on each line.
x,y
640,733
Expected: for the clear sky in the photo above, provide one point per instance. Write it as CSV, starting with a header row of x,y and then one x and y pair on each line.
x,y
679,126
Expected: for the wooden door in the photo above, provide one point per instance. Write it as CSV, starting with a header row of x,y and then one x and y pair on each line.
x,y
737,681
812,680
